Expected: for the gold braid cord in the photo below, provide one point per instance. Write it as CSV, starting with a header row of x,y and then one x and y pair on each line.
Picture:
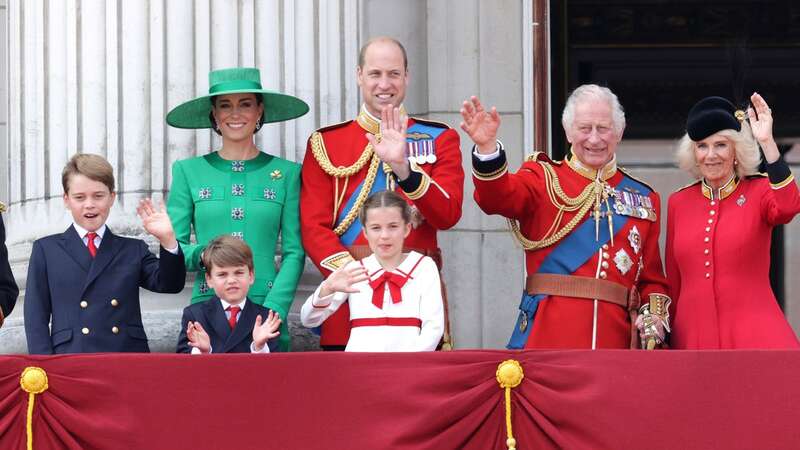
x,y
362,196
509,375
321,155
591,196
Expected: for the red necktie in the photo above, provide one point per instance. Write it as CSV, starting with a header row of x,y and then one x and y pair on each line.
x,y
90,243
395,282
234,312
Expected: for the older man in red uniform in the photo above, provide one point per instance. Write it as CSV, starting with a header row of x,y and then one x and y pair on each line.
x,y
590,231
346,162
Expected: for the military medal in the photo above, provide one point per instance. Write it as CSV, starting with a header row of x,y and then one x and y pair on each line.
x,y
523,322
635,239
413,150
623,261
431,152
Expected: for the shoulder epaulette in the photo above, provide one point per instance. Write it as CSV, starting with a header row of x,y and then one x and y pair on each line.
x,y
628,174
688,185
542,157
334,126
431,123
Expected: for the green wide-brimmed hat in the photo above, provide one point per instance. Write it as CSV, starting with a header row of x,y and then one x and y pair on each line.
x,y
239,80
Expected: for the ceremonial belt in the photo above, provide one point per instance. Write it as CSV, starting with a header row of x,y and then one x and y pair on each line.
x,y
386,321
577,286
588,288
360,252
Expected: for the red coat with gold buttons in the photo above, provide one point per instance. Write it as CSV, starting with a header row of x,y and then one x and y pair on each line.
x,y
717,260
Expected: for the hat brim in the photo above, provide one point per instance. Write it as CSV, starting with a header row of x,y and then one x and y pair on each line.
x,y
277,108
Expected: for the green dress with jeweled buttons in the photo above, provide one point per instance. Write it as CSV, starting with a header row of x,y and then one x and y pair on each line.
x,y
256,200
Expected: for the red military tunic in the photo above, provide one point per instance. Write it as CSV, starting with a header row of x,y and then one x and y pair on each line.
x,y
436,189
718,261
632,260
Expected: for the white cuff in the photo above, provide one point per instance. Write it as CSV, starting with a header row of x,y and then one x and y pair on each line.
x,y
174,251
487,157
263,350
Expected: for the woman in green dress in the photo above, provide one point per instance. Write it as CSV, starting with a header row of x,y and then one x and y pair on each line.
x,y
240,190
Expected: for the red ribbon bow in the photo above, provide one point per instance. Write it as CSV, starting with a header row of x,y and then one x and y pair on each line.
x,y
395,282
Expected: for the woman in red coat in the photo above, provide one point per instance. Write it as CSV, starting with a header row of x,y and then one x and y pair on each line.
x,y
719,230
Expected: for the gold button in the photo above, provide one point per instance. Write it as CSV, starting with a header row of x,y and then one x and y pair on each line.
x,y
706,239
114,330
713,203
708,229
603,274
708,275
84,304
708,263
85,330
712,212
605,265
710,220
114,302
605,255
705,252
605,246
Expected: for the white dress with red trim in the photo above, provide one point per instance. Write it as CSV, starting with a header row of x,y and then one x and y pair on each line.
x,y
396,311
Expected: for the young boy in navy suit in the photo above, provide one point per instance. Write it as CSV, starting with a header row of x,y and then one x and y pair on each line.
x,y
86,280
228,322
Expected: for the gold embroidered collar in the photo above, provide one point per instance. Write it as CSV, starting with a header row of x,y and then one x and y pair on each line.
x,y
606,172
726,190
371,123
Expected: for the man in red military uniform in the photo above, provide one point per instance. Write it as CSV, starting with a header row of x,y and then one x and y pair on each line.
x,y
345,162
590,231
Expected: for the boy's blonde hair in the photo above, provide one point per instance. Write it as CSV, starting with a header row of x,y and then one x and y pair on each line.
x,y
93,167
227,251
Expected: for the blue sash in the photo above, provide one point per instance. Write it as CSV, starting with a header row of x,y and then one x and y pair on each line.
x,y
351,234
415,132
571,253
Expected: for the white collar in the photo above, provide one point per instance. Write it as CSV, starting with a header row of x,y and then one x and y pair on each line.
x,y
82,231
226,305
374,267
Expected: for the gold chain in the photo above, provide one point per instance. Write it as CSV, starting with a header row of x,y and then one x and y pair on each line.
x,y
583,203
321,155
362,196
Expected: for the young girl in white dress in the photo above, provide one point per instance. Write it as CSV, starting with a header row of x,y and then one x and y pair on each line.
x,y
395,297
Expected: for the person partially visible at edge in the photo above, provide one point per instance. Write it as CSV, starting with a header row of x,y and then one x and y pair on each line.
x,y
395,297
344,163
239,189
8,286
589,230
719,230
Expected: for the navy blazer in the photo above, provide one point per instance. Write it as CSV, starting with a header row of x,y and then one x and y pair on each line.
x,y
8,287
223,340
93,302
